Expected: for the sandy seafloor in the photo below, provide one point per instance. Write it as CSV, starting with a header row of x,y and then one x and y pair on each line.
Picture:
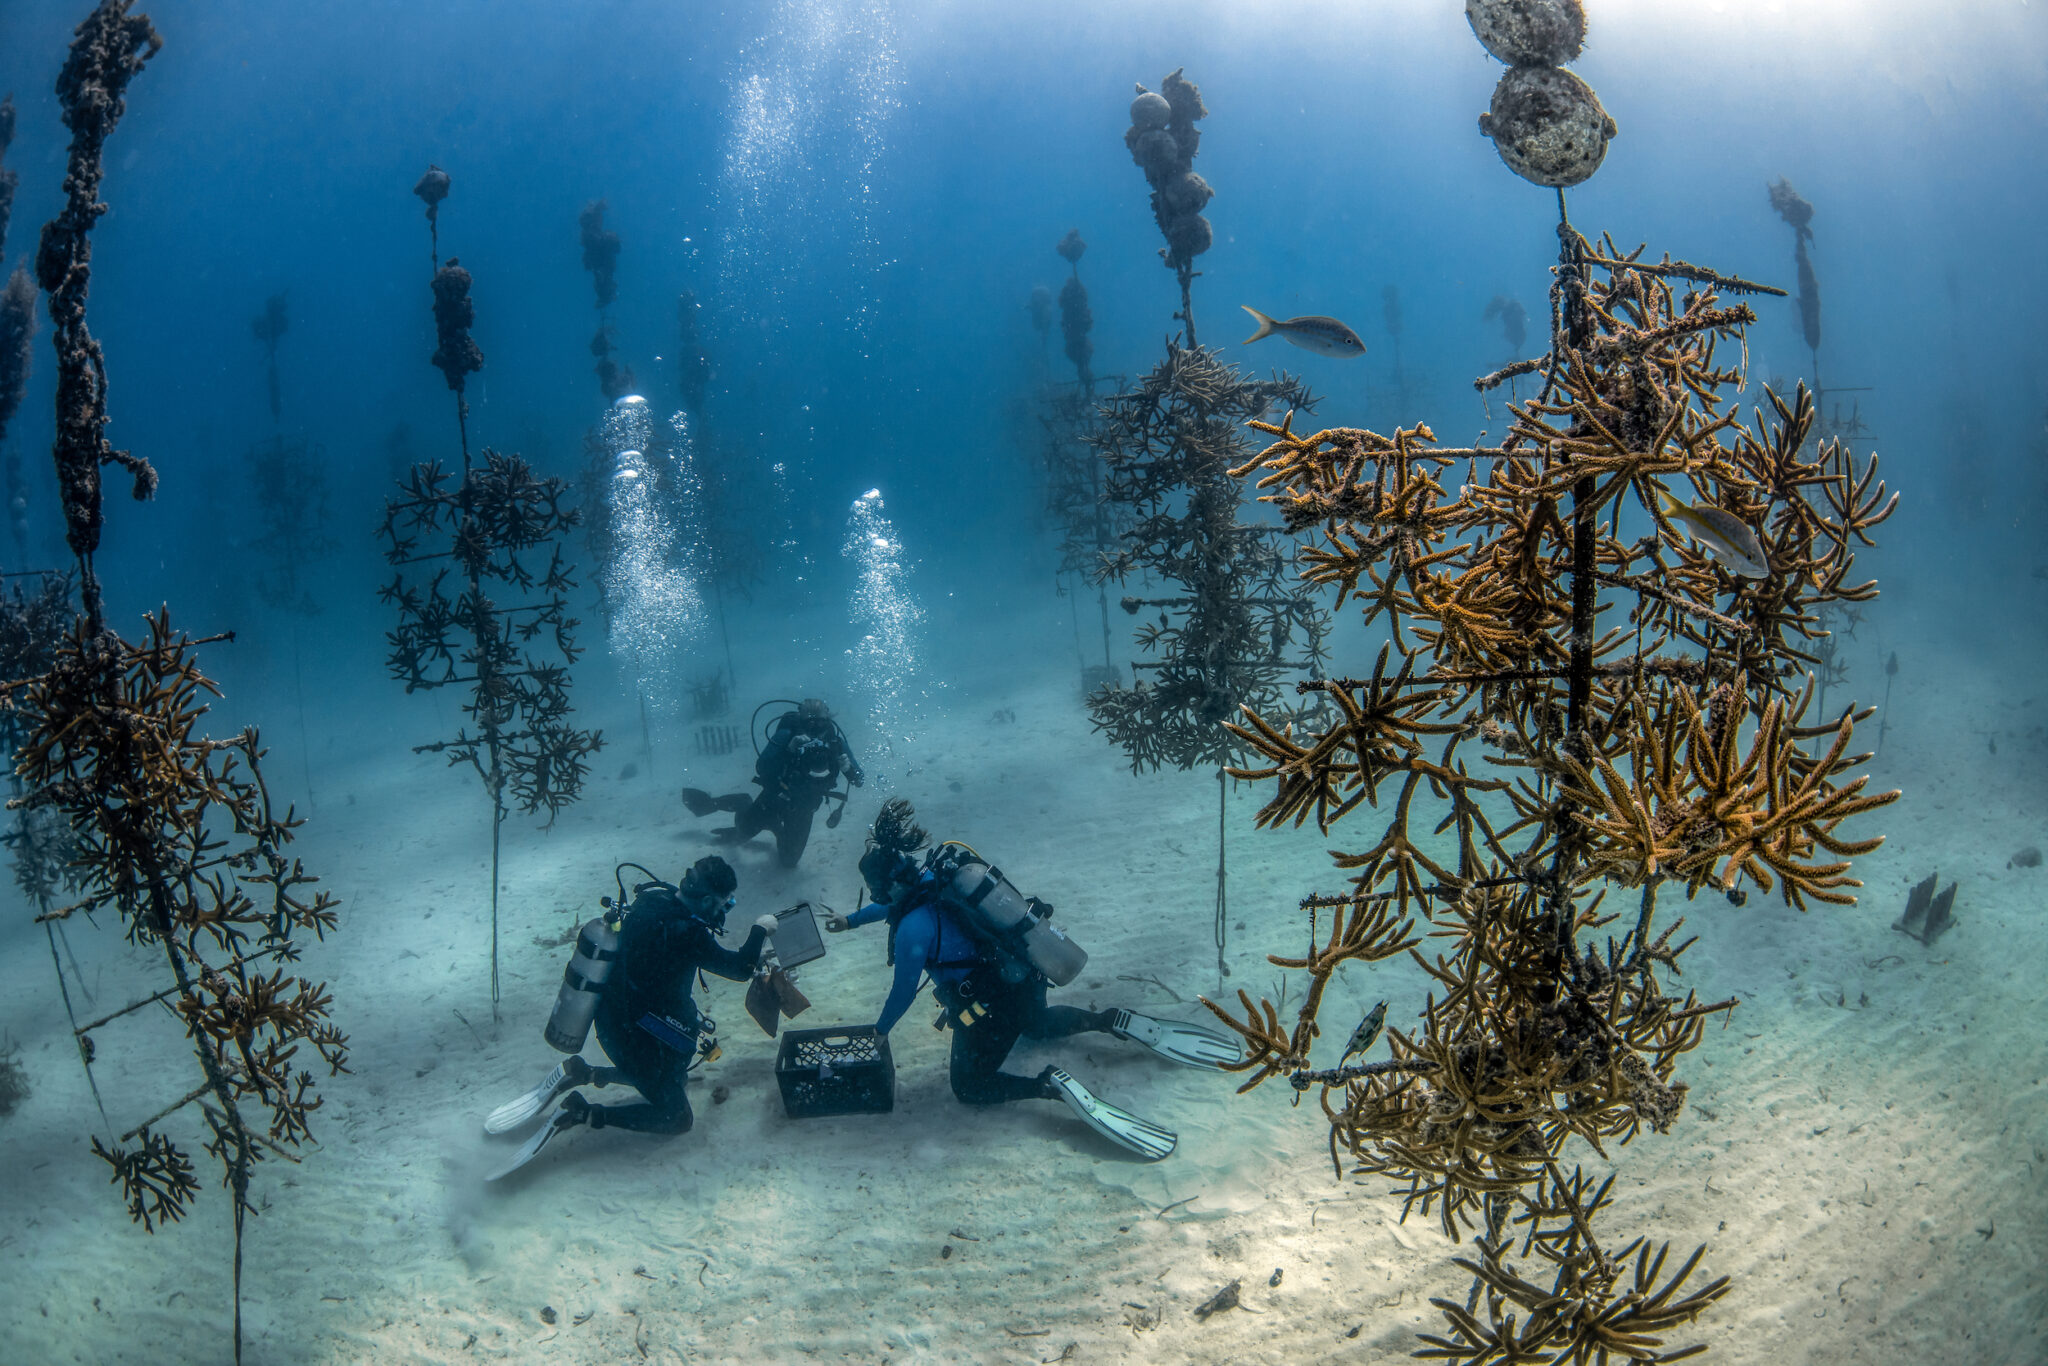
x,y
1865,1149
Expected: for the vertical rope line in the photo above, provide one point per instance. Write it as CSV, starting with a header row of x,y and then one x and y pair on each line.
x,y
299,691
241,1211
497,825
1074,618
1222,930
49,928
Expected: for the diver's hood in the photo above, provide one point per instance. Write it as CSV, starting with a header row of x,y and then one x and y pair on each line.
x,y
881,869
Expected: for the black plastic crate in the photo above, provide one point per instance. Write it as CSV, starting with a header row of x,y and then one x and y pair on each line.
x,y
845,1071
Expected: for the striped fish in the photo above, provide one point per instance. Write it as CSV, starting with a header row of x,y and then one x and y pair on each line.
x,y
1324,336
1367,1033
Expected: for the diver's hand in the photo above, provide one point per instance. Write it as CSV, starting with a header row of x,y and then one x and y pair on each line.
x,y
856,777
836,924
766,922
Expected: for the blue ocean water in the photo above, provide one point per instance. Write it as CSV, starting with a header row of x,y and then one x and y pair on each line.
x,y
862,195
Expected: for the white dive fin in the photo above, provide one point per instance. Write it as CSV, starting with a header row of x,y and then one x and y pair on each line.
x,y
1265,325
514,1114
530,1149
1120,1127
1189,1045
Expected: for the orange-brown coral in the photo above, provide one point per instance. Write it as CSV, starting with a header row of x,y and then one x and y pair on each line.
x,y
1575,709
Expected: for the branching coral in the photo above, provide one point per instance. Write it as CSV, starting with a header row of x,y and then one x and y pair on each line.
x,y
17,296
10,179
172,831
1237,627
1089,525
1577,711
288,480
601,259
489,527
487,532
269,327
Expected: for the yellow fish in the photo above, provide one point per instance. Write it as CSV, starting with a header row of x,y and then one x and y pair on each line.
x,y
1723,535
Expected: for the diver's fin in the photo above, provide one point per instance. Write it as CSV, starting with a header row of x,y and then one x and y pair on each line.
x,y
1265,325
1120,1127
702,803
513,1114
568,1117
1189,1045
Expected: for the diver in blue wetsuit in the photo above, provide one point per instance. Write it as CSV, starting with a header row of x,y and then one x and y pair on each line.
x,y
990,997
987,1014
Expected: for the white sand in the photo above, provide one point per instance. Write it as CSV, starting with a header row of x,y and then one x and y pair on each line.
x,y
1839,1159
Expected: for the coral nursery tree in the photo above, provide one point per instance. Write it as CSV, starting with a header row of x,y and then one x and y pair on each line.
x,y
482,590
1089,524
1235,625
173,832
1560,712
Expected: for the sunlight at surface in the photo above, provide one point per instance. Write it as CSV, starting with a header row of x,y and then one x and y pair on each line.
x,y
1934,49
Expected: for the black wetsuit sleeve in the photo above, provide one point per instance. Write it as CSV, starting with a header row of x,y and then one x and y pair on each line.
x,y
732,964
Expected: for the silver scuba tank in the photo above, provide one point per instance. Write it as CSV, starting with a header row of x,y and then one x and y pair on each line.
x,y
597,948
997,910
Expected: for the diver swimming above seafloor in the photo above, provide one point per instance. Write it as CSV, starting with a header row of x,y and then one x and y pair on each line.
x,y
631,978
991,953
796,771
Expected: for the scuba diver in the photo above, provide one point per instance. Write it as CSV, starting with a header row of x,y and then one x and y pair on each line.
x,y
796,770
990,954
631,977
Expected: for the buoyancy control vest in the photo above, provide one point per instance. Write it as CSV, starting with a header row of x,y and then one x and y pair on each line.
x,y
1016,931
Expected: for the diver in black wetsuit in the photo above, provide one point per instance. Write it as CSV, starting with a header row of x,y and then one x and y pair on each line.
x,y
647,1018
797,769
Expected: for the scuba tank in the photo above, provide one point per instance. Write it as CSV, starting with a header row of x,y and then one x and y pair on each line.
x,y
597,948
1014,924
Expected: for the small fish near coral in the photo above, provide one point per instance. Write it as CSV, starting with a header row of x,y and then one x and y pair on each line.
x,y
1723,535
1312,332
1367,1033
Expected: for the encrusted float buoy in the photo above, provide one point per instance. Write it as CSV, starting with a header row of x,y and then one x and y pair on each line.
x,y
1150,111
1547,125
1529,32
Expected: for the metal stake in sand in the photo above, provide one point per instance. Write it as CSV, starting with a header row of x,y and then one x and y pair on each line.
x,y
1884,712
